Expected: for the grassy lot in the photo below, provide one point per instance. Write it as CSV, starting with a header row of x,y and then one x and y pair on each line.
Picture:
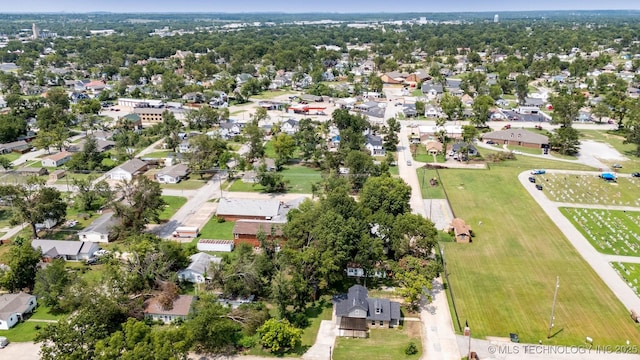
x,y
23,332
300,178
629,272
421,154
70,176
194,182
11,156
590,189
173,204
611,232
44,313
269,151
158,154
217,231
382,344
428,191
504,281
272,94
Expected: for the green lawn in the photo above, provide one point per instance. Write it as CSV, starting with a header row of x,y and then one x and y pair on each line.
x,y
300,178
194,182
270,94
428,191
217,231
590,189
382,344
70,176
174,203
5,216
23,332
11,156
609,231
44,313
269,151
504,281
158,154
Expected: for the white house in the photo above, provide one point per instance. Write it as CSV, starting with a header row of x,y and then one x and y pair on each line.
x,y
374,145
57,159
13,307
198,269
290,126
98,231
180,309
127,170
66,249
172,174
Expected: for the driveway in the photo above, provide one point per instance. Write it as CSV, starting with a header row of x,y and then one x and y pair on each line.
x,y
325,342
21,351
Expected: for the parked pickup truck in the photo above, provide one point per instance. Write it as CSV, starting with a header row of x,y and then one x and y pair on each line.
x,y
186,232
538,171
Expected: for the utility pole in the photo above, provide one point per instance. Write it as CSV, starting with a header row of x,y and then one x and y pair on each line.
x,y
553,307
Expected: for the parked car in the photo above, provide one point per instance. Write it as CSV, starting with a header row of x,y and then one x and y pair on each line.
x,y
92,261
636,174
491,142
408,162
538,186
538,171
532,179
3,342
617,166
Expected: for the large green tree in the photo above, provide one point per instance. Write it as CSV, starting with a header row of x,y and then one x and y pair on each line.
x,y
141,204
23,262
52,282
279,336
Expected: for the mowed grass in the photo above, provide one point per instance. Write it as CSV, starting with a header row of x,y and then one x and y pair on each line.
x,y
300,180
504,281
217,230
429,192
609,231
174,203
382,344
23,332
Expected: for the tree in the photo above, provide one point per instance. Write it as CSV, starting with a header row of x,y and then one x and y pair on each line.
x,y
11,126
272,181
566,107
51,283
481,109
307,139
391,139
416,276
5,163
207,153
23,262
255,136
452,106
139,341
386,194
35,203
601,110
212,331
284,146
279,336
90,195
522,87
141,204
89,159
565,140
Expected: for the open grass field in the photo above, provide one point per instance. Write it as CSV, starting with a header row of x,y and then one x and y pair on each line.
x,y
11,156
70,176
629,272
382,344
217,231
266,95
174,203
591,189
504,281
158,154
300,178
611,232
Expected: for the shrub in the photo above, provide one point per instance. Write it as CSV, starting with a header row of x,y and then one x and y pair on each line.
x,y
411,349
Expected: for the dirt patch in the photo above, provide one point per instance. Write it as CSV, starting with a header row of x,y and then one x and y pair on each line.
x,y
413,329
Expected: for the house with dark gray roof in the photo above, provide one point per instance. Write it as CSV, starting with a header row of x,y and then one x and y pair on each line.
x,y
373,143
172,174
99,230
356,312
518,137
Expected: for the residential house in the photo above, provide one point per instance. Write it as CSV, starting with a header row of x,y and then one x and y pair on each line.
x,y
533,102
432,90
184,147
215,245
409,110
131,121
101,145
127,170
247,231
518,137
356,312
452,131
434,147
290,126
461,231
66,249
14,307
198,269
373,143
179,309
102,135
243,78
99,230
20,146
172,174
432,112
56,160
466,148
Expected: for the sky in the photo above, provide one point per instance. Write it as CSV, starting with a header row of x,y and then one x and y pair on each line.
x,y
298,6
